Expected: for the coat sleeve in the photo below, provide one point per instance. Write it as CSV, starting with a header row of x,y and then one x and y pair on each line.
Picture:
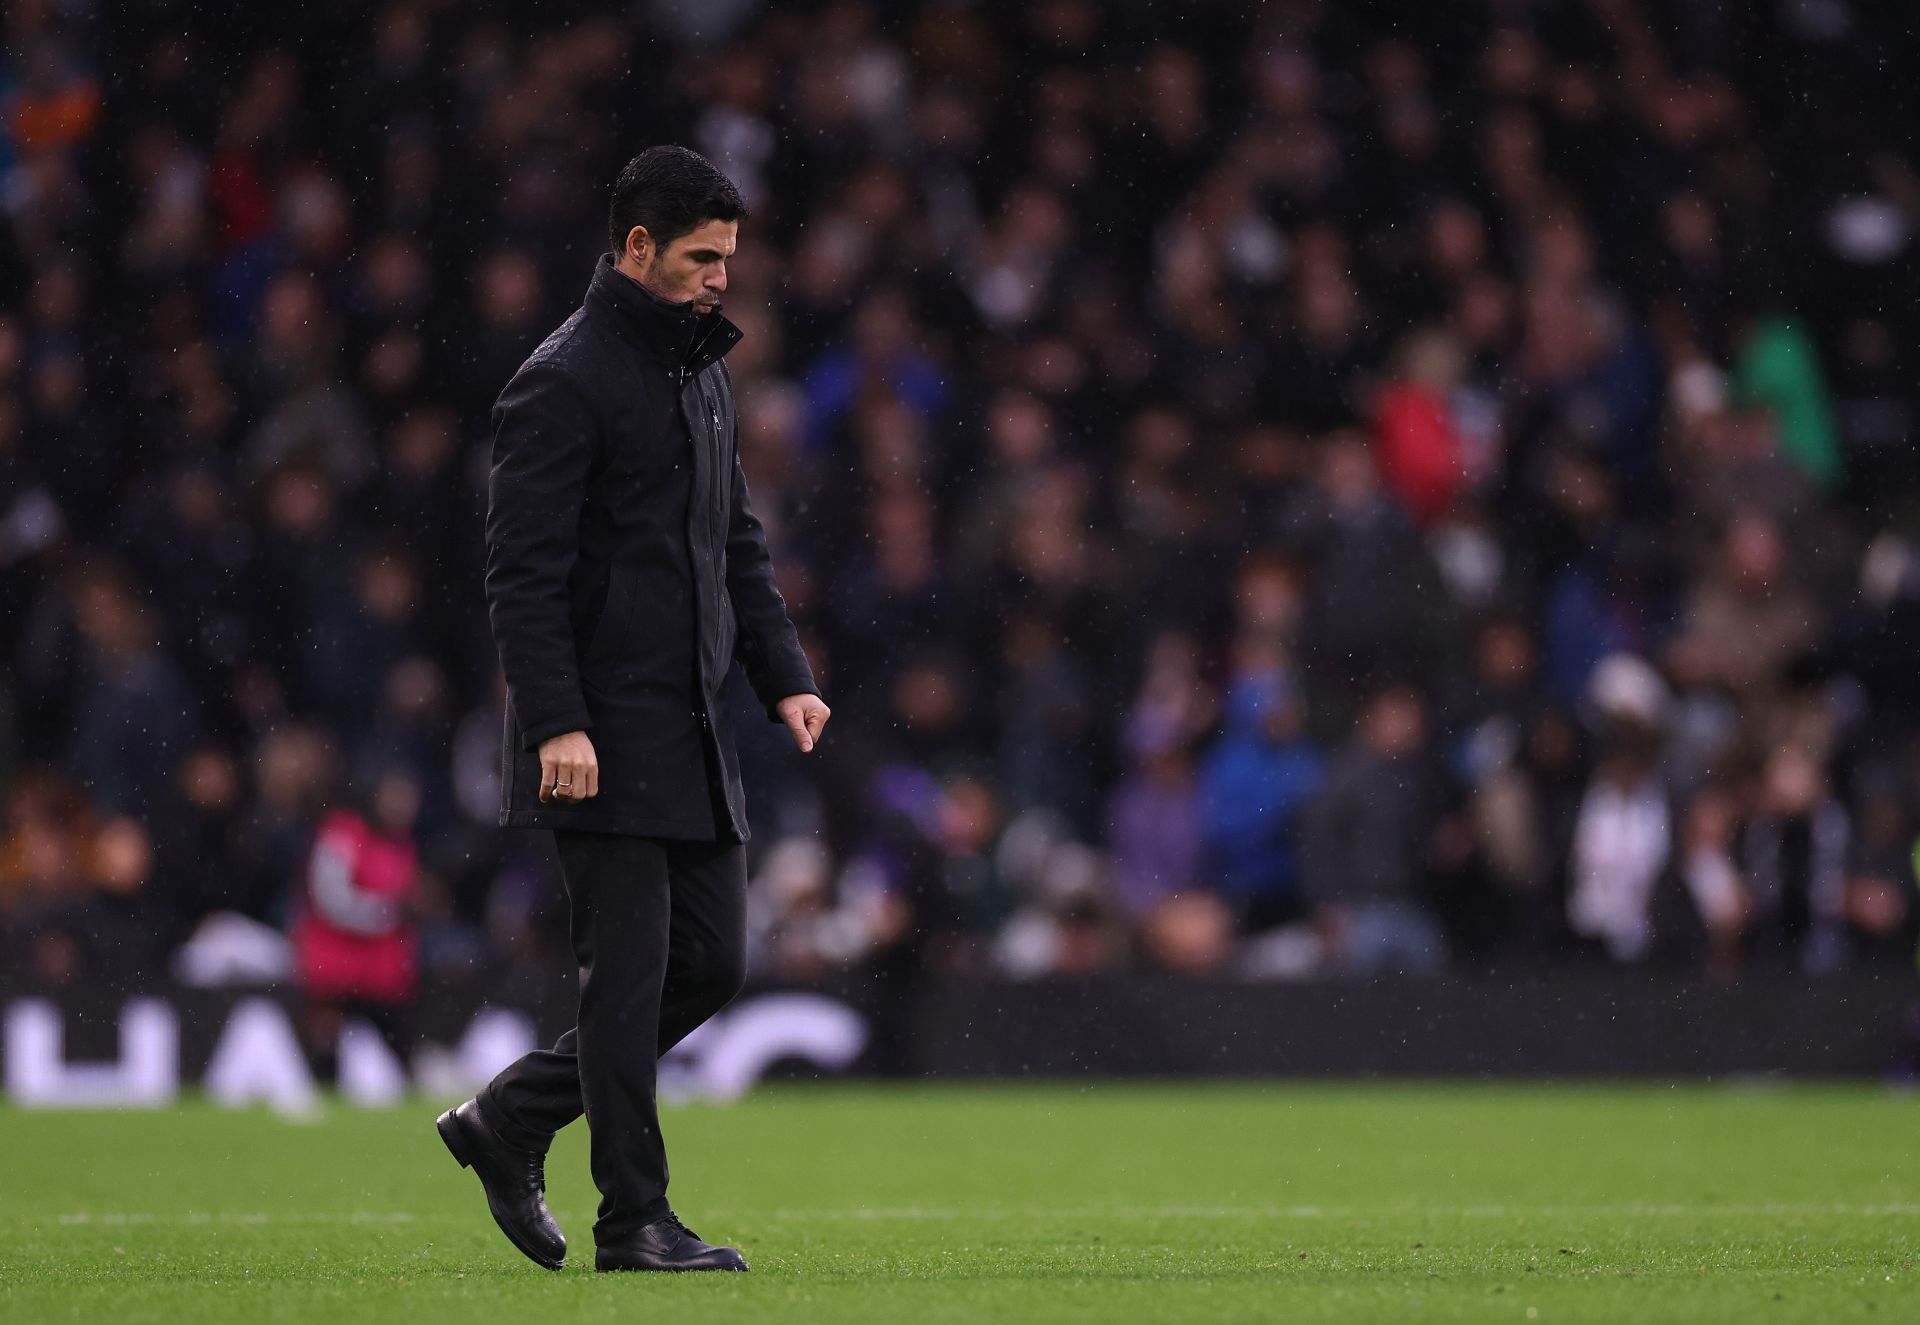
x,y
544,432
767,645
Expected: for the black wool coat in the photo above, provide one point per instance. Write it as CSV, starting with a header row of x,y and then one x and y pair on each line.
x,y
625,571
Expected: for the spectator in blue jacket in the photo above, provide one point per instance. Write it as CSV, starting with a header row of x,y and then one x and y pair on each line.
x,y
1253,782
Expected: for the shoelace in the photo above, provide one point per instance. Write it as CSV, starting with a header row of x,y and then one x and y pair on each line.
x,y
533,1164
674,1219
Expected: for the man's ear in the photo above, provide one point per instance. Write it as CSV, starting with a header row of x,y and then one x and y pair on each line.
x,y
639,245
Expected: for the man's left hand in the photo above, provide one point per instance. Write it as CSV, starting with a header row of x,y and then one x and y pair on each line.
x,y
805,716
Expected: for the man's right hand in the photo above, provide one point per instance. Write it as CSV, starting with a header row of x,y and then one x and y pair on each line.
x,y
569,770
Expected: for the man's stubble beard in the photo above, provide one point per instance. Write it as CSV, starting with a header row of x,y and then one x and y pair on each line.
x,y
699,301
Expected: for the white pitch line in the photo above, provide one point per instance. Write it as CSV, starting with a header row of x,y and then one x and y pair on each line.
x,y
236,1217
1309,1212
1892,1210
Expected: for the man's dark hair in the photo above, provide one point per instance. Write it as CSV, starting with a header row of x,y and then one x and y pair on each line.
x,y
670,191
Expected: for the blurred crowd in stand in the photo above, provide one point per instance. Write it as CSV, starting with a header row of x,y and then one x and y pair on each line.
x,y
1268,488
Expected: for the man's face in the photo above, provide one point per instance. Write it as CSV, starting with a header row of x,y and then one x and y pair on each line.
x,y
692,267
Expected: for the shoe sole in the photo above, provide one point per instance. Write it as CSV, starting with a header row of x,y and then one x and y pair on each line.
x,y
455,1138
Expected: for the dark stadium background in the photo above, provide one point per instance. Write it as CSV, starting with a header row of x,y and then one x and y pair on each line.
x,y
1287,492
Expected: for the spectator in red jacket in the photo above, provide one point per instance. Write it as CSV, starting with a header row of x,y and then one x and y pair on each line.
x,y
354,934
1421,457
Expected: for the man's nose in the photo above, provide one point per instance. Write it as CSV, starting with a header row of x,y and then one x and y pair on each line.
x,y
718,281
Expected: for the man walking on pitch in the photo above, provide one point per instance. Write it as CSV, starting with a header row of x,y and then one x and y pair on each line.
x,y
625,572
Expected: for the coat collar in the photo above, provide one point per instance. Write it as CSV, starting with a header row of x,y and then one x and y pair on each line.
x,y
681,336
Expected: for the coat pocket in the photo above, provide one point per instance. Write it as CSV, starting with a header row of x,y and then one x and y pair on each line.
x,y
729,635
615,615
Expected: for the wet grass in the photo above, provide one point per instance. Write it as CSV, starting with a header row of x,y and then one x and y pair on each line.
x,y
1108,1202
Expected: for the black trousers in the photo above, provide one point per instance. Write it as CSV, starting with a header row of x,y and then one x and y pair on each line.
x,y
659,928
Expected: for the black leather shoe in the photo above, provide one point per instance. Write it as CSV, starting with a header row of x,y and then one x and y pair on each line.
x,y
666,1244
515,1180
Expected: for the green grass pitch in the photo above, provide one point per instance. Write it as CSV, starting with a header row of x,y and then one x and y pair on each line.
x,y
1097,1203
